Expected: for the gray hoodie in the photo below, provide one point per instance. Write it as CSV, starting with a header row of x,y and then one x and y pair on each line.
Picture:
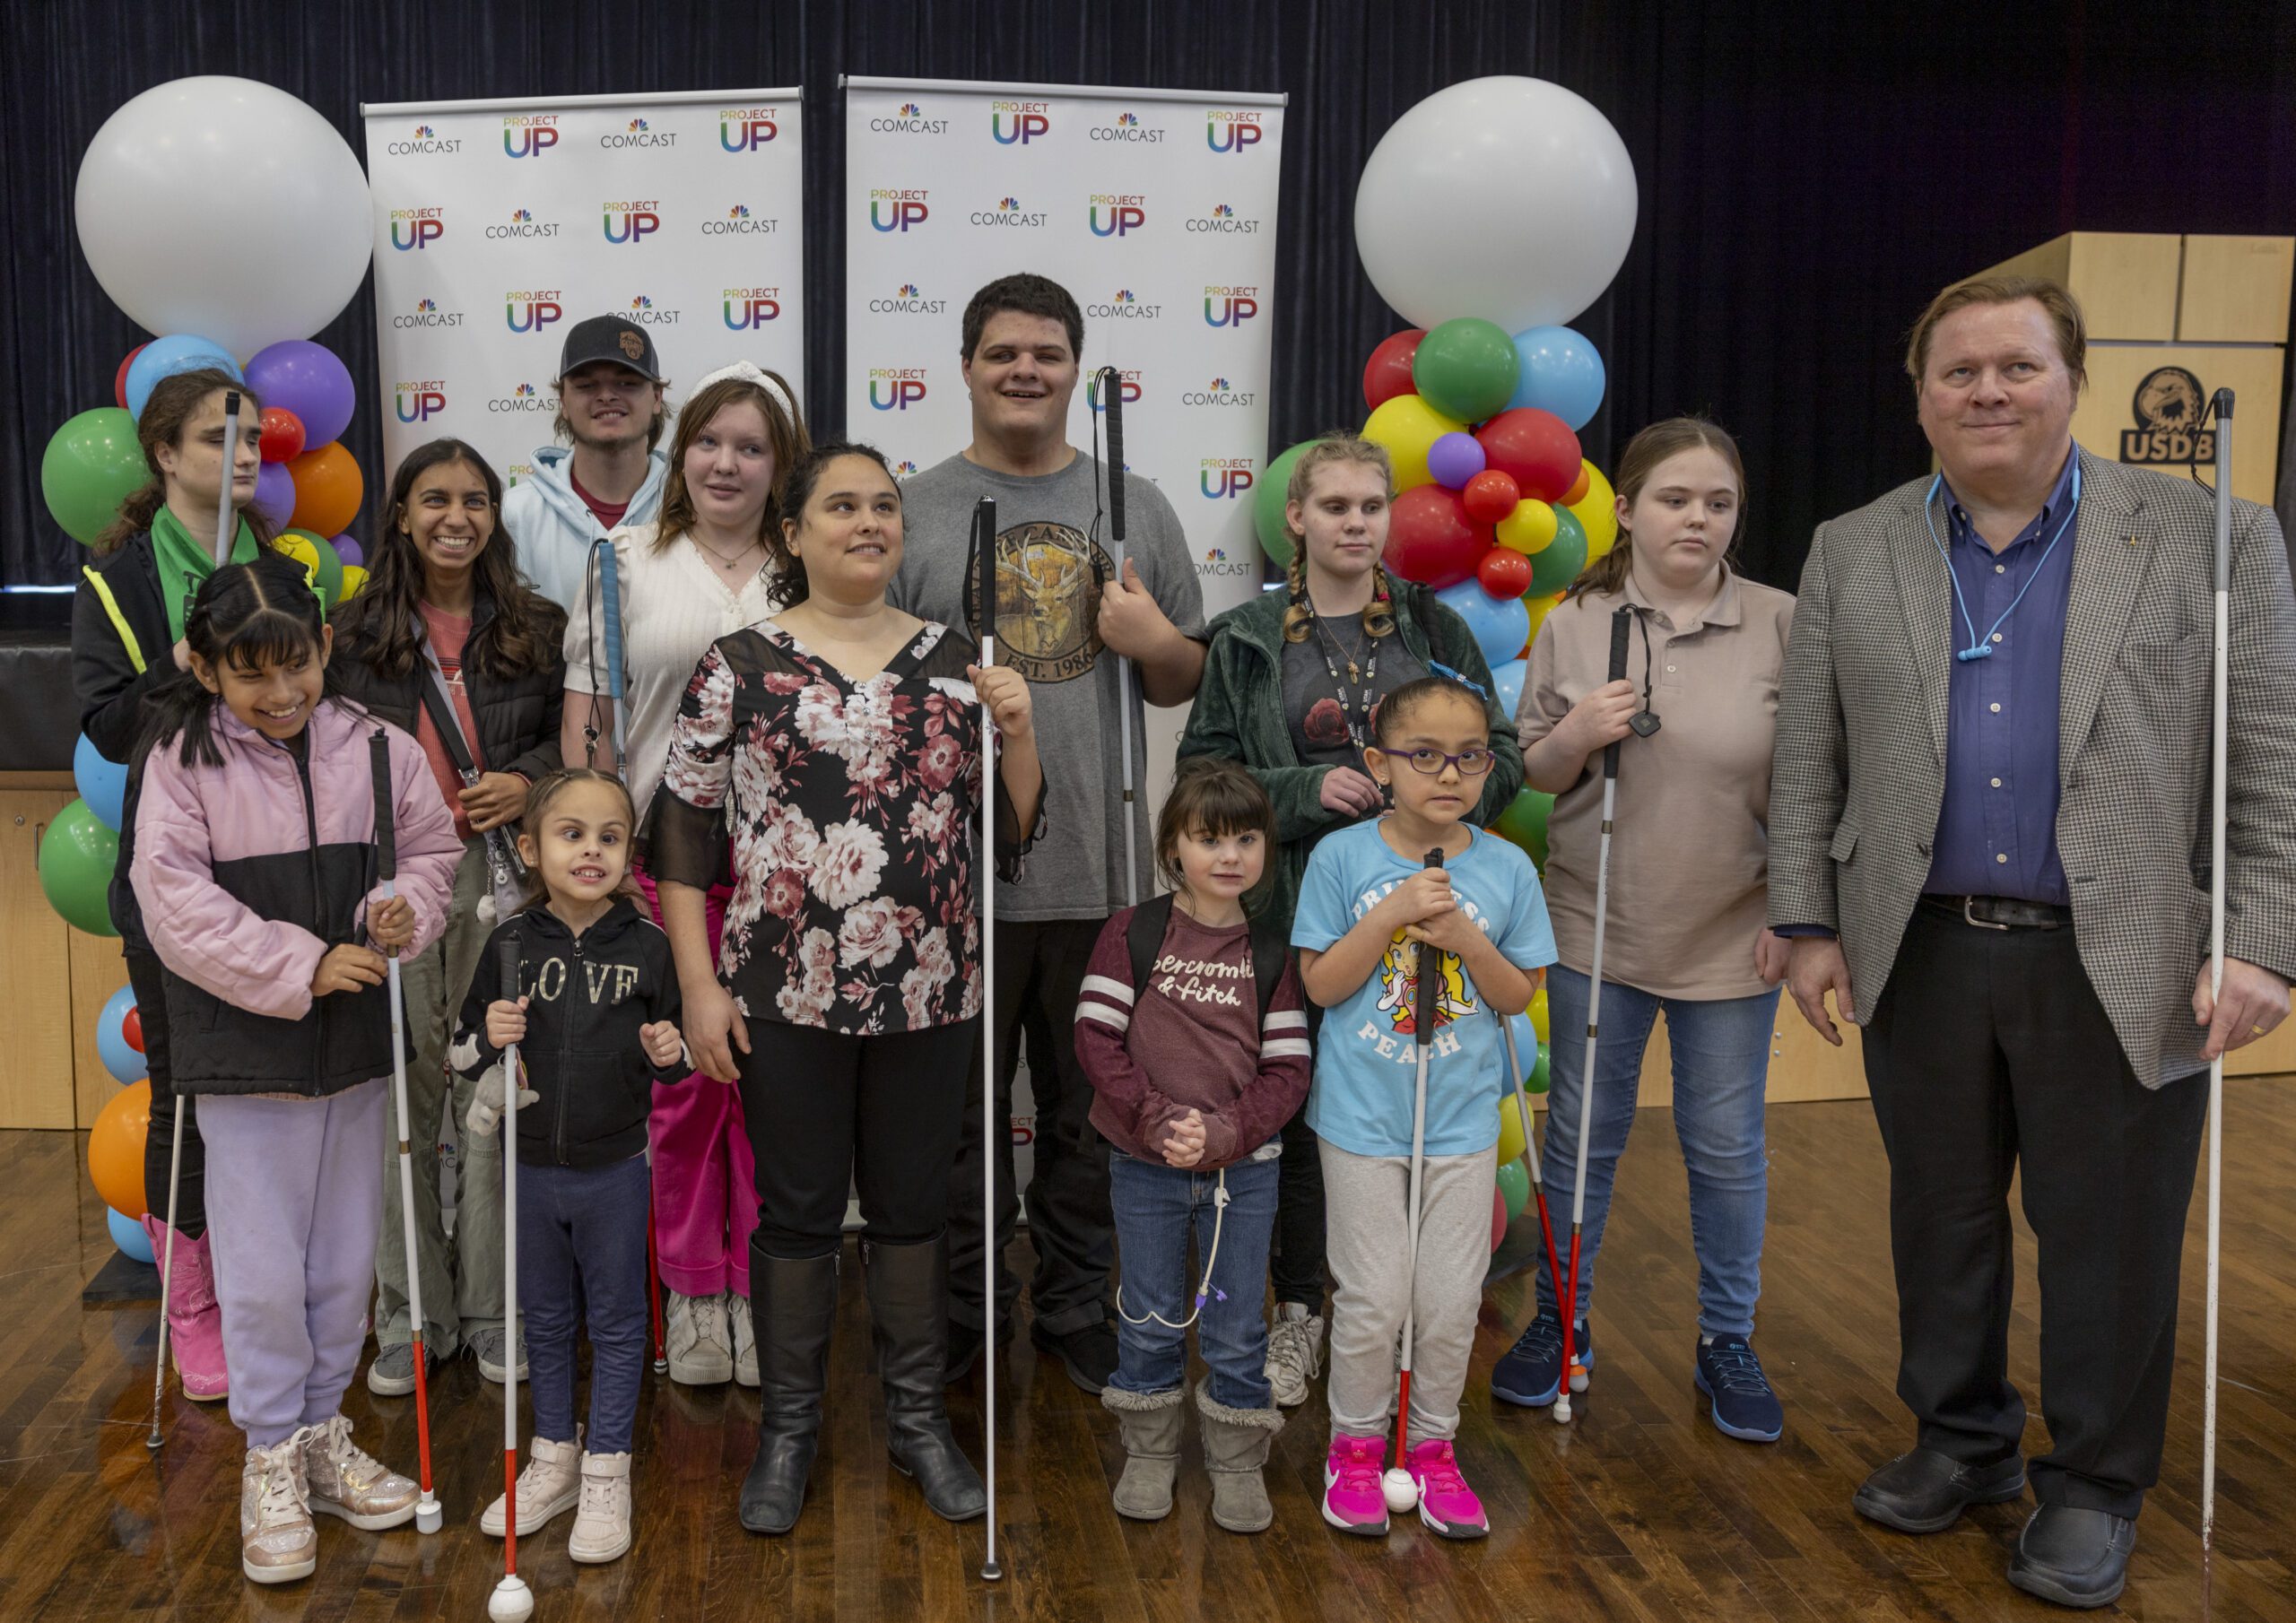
x,y
554,528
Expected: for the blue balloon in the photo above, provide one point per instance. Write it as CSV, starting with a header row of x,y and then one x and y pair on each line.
x,y
1560,373
128,1235
1501,626
123,1062
165,357
101,783
1507,683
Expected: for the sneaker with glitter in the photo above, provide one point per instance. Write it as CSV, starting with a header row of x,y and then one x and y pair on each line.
x,y
347,1481
277,1542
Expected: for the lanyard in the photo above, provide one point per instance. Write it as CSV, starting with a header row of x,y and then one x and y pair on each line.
x,y
1355,730
1982,647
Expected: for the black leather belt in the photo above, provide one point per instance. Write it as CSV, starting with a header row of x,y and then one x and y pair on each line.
x,y
2001,912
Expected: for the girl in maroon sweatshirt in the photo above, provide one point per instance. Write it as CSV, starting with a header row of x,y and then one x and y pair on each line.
x,y
1193,1031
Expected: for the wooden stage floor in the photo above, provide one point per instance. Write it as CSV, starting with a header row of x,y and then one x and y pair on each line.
x,y
1639,1510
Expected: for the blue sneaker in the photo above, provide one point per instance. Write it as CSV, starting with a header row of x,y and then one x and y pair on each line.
x,y
1531,1372
1745,1406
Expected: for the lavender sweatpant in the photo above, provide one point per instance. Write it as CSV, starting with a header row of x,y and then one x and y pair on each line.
x,y
294,1197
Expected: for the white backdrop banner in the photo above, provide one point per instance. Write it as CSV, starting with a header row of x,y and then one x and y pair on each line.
x,y
497,224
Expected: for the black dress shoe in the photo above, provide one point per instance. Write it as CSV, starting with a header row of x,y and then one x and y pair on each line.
x,y
1925,1491
1087,1354
2075,1557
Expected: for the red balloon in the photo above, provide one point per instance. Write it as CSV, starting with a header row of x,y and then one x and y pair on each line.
x,y
283,434
1491,495
1504,572
1387,373
119,379
1535,447
132,1029
1430,539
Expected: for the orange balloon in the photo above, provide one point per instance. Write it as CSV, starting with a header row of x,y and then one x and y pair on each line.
x,y
115,1150
329,490
1577,493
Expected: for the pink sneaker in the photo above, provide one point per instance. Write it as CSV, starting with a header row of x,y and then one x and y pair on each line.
x,y
1446,1503
1354,1500
195,1322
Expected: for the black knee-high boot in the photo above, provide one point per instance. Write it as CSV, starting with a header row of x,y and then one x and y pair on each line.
x,y
909,1289
792,1304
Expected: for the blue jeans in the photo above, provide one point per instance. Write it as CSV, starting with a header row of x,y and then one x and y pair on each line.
x,y
1721,1056
582,1242
1156,1206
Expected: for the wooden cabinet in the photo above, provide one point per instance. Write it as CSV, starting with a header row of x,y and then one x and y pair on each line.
x,y
54,979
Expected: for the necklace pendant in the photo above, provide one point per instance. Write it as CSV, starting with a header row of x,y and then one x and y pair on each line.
x,y
1354,672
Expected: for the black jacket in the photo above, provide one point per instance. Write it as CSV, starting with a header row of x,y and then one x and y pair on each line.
x,y
112,689
518,719
587,997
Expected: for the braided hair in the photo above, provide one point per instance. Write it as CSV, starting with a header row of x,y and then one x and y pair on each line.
x,y
1299,613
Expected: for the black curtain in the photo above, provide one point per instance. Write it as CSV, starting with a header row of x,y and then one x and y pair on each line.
x,y
1810,173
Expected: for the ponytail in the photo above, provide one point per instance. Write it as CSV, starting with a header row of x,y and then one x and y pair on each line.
x,y
174,401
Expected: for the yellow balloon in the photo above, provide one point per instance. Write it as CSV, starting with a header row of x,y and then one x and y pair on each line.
x,y
1407,426
354,577
1597,513
299,549
1510,1129
1529,528
1538,1013
1540,608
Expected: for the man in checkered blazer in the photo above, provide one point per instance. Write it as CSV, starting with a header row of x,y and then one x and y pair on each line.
x,y
1989,836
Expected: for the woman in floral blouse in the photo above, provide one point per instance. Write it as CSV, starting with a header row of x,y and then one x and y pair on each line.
x,y
835,749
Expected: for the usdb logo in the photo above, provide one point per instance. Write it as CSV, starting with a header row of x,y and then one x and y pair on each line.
x,y
1231,131
642,311
1127,390
632,221
1125,305
427,314
896,388
529,135
638,133
1219,392
1018,121
424,141
522,223
531,309
1228,306
2168,405
1216,563
907,301
417,228
1127,127
1114,213
1224,478
910,120
740,222
1224,220
746,308
745,129
525,397
421,402
896,209
1007,212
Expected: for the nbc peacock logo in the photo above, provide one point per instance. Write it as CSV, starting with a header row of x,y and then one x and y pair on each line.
x,y
525,397
1008,212
1128,121
426,141
908,120
644,311
522,223
423,132
1125,129
426,313
638,131
909,300
637,126
525,391
1124,305
427,304
739,222
904,468
1225,221
1216,564
1219,392
910,109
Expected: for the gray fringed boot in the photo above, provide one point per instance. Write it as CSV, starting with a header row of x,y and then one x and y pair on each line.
x,y
1150,1422
1236,1442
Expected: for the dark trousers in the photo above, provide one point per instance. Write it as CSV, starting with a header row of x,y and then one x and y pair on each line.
x,y
1040,972
582,1244
1295,1268
1989,1056
827,1111
144,974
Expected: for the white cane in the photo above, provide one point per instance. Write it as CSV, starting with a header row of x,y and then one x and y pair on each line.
x,y
984,562
511,1601
2222,687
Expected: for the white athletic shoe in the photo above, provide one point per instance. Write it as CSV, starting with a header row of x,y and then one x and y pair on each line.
x,y
1295,1352
550,1482
737,1317
602,1526
700,1348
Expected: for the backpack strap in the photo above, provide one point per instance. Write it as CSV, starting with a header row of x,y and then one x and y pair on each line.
x,y
1143,935
1270,952
118,621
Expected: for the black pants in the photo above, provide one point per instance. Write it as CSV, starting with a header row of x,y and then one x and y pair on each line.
x,y
1989,1055
144,974
824,1111
1296,1267
1040,971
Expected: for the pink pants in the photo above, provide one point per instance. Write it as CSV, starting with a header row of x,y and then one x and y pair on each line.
x,y
705,1178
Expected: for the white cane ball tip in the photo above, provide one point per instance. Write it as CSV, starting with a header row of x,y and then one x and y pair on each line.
x,y
1561,1412
429,1518
1403,1493
511,1602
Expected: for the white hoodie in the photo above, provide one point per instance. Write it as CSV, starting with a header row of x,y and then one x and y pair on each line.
x,y
554,528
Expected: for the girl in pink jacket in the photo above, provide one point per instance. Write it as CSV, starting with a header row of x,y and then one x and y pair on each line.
x,y
255,869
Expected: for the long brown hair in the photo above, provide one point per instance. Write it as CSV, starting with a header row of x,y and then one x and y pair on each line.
x,y
1641,459
1333,450
787,434
175,401
1214,796
383,623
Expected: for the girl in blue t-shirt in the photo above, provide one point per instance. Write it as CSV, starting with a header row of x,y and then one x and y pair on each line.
x,y
1368,909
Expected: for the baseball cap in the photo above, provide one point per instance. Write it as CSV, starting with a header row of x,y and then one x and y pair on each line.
x,y
611,338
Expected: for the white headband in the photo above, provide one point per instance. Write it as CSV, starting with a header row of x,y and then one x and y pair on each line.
x,y
749,373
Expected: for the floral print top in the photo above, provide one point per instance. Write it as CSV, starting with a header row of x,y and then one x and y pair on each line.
x,y
849,811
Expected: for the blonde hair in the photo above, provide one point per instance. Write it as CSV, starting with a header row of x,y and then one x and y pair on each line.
x,y
1333,450
2063,312
786,433
1636,464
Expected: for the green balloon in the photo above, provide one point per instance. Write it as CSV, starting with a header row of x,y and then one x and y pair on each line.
x,y
1514,1188
329,579
1467,369
1524,823
1267,507
1539,1077
91,466
78,856
1557,564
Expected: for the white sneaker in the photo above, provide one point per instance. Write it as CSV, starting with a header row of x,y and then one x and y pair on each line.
x,y
602,1526
699,1346
551,1482
277,1542
737,1317
1295,1352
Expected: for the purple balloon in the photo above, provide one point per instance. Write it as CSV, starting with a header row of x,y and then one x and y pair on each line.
x,y
348,549
274,494
307,379
1454,459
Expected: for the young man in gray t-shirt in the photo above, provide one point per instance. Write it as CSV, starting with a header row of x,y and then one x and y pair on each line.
x,y
1063,615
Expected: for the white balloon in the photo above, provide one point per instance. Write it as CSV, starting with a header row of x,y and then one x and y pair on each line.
x,y
227,208
1507,198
